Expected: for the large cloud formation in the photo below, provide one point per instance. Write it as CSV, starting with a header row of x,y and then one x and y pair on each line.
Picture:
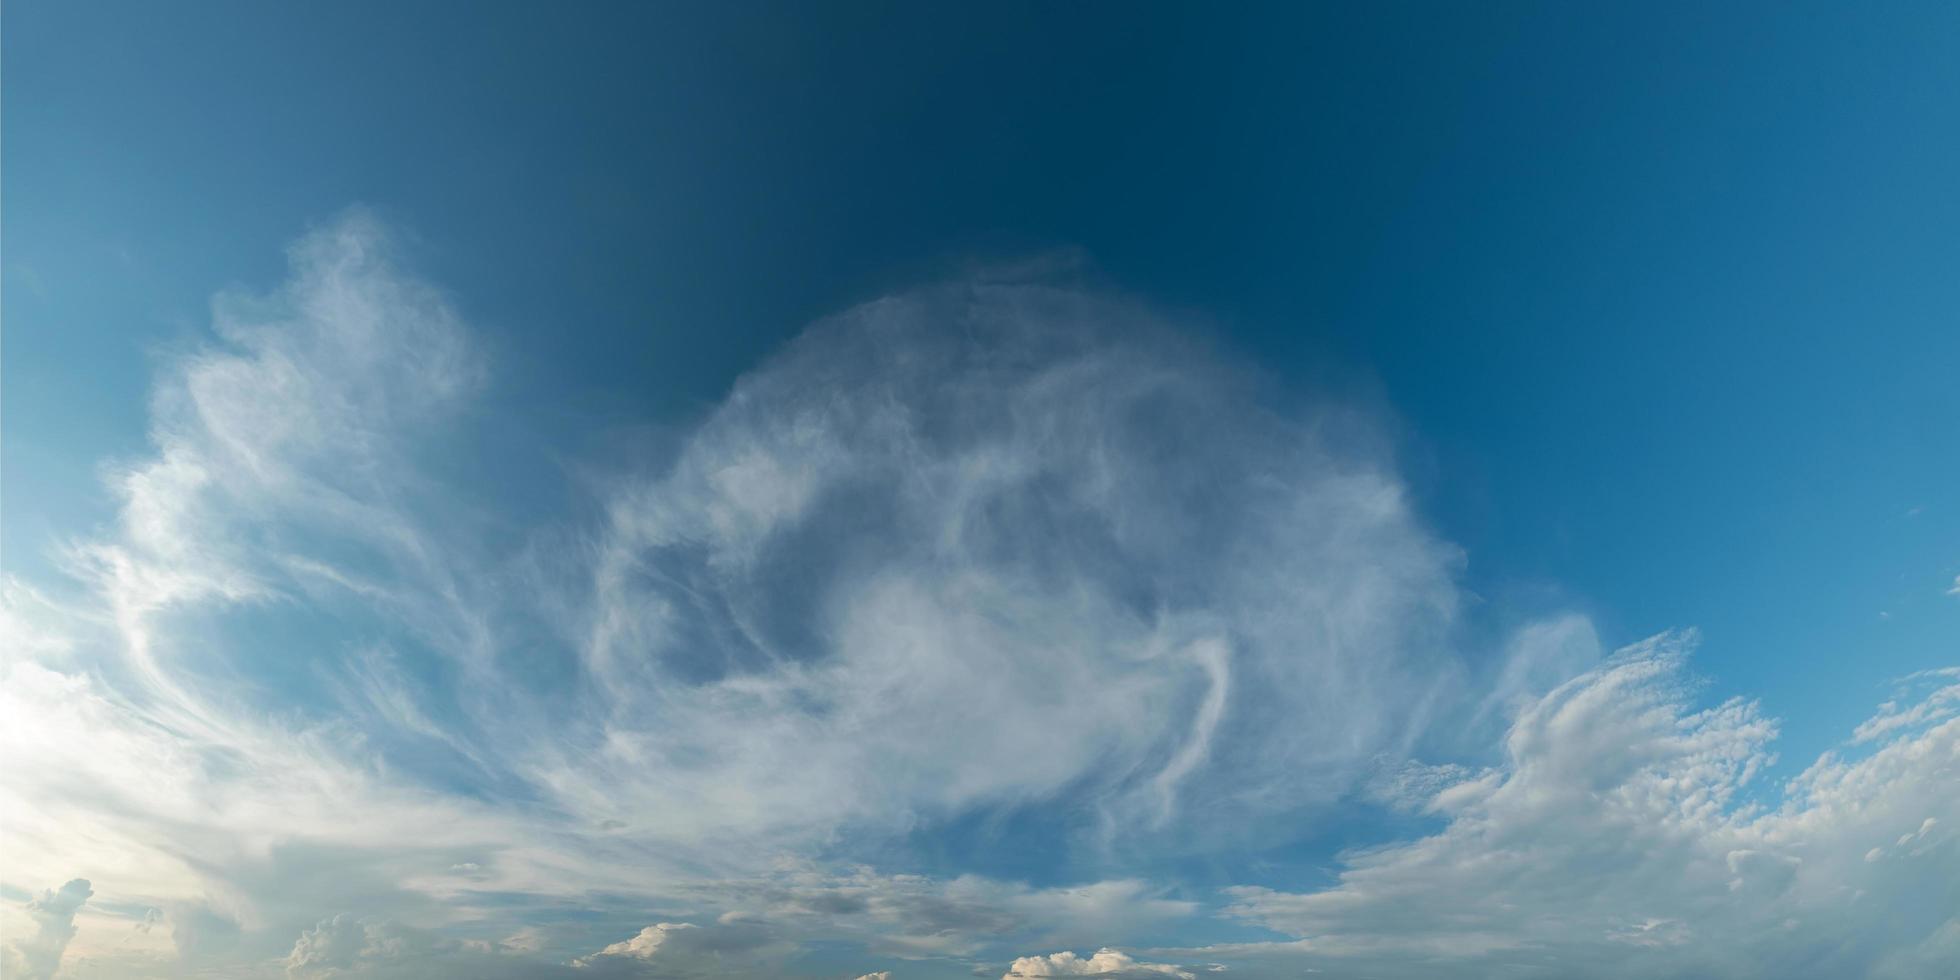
x,y
1616,834
984,543
991,550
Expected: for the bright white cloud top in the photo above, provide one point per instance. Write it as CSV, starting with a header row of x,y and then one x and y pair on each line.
x,y
322,702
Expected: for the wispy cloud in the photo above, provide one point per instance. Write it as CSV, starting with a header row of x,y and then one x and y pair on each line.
x,y
983,550
988,543
1616,835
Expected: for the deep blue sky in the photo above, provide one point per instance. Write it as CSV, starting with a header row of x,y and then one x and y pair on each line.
x,y
1663,295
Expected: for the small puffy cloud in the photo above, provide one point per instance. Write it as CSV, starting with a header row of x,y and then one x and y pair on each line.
x,y
1107,963
880,975
732,947
38,956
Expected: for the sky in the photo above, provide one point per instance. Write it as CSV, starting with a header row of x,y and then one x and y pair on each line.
x,y
926,491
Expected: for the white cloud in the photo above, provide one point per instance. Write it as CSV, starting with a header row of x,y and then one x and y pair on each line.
x,y
1923,698
731,947
330,947
1617,835
978,545
983,549
982,545
38,957
173,757
1107,963
1540,656
290,429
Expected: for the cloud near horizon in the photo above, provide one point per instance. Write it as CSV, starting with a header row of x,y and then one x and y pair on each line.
x,y
1108,963
38,957
1618,832
995,552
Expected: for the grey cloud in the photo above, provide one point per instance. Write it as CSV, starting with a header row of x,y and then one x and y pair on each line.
x,y
199,931
38,957
330,947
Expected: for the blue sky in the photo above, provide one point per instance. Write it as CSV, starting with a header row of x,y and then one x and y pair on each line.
x,y
807,490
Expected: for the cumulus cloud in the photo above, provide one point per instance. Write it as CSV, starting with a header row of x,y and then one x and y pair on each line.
x,y
1107,963
918,916
329,947
731,947
38,956
1618,834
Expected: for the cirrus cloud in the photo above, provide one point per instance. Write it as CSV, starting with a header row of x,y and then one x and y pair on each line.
x,y
1617,834
975,553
